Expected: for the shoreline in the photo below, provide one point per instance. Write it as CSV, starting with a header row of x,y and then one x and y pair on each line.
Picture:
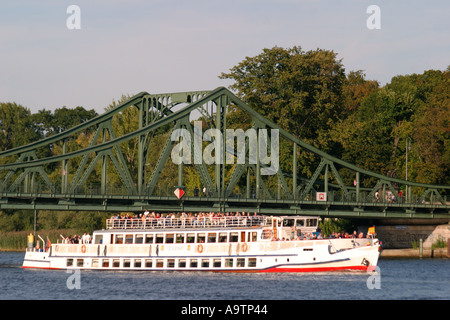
x,y
415,253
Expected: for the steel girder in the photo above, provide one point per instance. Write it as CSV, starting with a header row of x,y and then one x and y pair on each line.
x,y
294,194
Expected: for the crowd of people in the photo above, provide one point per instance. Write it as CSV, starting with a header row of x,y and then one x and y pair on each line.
x,y
77,239
184,219
207,215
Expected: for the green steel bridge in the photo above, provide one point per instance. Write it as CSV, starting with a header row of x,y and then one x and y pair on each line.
x,y
79,179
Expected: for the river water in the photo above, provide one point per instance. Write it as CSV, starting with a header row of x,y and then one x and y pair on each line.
x,y
396,279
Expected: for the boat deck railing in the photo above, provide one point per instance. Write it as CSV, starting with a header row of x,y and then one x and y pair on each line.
x,y
188,222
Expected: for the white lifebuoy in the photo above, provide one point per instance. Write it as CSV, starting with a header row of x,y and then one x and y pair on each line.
x,y
244,247
199,248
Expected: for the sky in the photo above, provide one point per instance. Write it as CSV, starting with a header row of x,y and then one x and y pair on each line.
x,y
126,47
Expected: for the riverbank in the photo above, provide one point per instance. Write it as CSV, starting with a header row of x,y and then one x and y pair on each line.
x,y
415,253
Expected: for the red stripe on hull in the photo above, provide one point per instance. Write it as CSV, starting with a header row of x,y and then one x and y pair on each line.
x,y
316,269
29,267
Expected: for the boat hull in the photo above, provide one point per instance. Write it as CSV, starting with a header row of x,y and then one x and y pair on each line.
x,y
277,256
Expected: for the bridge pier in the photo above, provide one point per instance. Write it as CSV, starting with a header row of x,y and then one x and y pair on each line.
x,y
406,234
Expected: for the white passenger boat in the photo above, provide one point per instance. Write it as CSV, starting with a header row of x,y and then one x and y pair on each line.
x,y
223,244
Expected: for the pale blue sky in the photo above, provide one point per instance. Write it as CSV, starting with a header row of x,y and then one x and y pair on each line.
x,y
125,47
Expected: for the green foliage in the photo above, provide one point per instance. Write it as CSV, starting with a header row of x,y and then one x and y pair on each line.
x,y
15,119
328,226
439,243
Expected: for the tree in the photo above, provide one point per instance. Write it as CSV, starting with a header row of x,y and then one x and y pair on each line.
x,y
61,120
15,118
299,91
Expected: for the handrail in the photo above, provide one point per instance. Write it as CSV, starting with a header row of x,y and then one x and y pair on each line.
x,y
187,222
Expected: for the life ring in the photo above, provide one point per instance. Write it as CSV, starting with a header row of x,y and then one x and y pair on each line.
x,y
199,248
267,233
83,248
244,247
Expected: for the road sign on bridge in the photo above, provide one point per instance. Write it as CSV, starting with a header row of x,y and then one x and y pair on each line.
x,y
179,193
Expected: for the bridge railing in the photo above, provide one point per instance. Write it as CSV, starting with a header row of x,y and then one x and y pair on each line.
x,y
187,222
333,196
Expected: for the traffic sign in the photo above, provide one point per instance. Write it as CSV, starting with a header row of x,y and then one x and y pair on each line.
x,y
321,196
179,193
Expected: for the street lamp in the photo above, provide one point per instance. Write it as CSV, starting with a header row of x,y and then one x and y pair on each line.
x,y
408,147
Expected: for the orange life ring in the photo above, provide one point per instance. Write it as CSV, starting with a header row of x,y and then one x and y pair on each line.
x,y
267,233
83,248
244,247
199,248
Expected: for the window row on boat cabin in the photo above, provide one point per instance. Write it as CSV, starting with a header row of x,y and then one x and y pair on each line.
x,y
177,237
166,263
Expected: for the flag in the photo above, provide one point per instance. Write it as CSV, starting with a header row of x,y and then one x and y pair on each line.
x,y
48,244
371,230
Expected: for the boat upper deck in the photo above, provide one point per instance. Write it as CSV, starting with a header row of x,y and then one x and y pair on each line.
x,y
188,222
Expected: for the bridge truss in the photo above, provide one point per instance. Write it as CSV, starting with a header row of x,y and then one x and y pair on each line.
x,y
106,174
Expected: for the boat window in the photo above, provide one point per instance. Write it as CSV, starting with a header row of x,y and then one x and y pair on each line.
x,y
149,238
252,262
190,238
94,263
300,222
148,263
205,263
119,239
116,263
105,263
98,239
212,237
171,263
159,263
170,238
311,222
69,262
240,262
180,237
128,238
252,236
137,263
234,237
139,238
217,263
182,263
201,238
223,237
193,263
159,238
126,263
228,263
288,222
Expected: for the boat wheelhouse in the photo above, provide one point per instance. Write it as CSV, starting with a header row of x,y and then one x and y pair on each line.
x,y
210,243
